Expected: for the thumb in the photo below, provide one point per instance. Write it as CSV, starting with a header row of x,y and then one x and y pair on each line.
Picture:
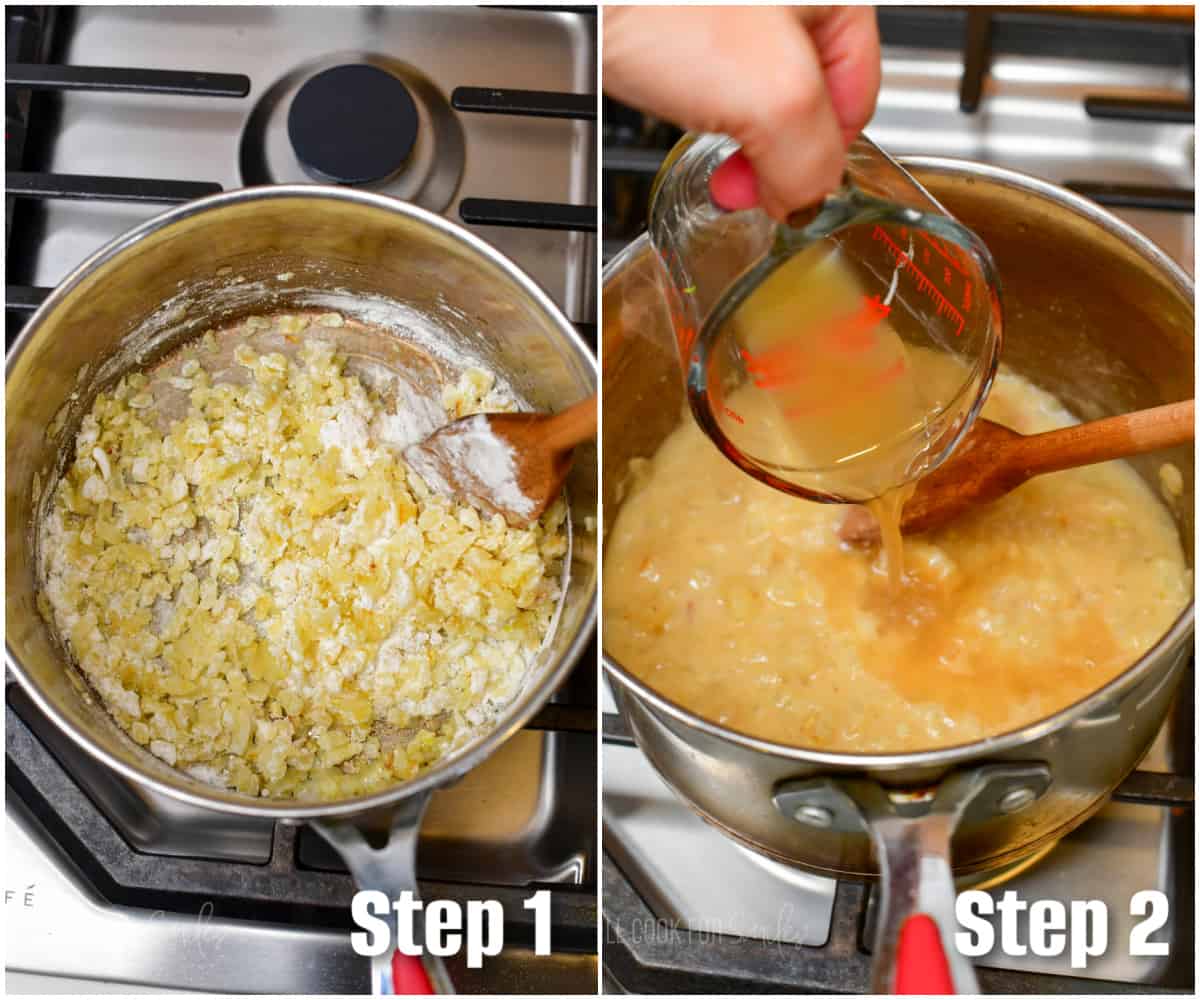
x,y
847,42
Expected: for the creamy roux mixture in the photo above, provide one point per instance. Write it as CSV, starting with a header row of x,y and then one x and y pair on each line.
x,y
740,602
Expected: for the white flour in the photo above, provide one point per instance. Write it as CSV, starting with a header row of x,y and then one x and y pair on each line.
x,y
347,432
413,417
484,467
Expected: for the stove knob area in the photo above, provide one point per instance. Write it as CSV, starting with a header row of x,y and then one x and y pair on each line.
x,y
353,124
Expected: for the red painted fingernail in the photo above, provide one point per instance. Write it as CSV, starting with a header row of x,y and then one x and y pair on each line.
x,y
733,185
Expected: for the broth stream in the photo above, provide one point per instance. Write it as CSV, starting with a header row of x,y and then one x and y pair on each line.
x,y
835,394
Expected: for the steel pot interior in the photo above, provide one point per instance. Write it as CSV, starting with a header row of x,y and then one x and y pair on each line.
x,y
218,259
1093,312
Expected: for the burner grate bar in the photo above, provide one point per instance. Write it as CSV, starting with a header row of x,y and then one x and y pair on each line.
x,y
565,718
86,188
616,730
25,298
1170,110
1148,196
1154,788
977,57
632,160
36,76
527,214
529,103
1046,31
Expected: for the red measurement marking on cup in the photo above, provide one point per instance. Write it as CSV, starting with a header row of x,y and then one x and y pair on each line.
x,y
944,308
775,369
687,337
858,334
735,415
951,256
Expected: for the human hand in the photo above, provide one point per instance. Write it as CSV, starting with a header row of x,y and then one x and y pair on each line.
x,y
793,85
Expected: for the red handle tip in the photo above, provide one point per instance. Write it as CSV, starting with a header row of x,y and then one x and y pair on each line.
x,y
921,966
409,977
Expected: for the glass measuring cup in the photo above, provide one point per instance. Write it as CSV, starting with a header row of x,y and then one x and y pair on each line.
x,y
837,356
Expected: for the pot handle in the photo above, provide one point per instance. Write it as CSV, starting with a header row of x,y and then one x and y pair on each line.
x,y
391,869
914,949
911,831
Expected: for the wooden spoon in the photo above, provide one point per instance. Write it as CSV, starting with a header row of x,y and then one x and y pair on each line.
x,y
512,464
993,460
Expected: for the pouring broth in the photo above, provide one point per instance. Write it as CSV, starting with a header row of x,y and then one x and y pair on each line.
x,y
834,398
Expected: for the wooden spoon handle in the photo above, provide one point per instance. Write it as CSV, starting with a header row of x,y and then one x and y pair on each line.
x,y
1113,437
574,425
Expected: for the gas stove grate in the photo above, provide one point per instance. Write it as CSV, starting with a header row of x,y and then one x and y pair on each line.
x,y
77,187
24,77
26,74
1179,111
1147,41
41,76
527,214
1148,196
1030,31
530,103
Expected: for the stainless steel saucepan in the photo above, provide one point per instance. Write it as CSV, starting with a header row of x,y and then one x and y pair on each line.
x,y
257,251
1095,314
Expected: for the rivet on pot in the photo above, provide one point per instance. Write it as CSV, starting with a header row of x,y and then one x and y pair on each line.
x,y
814,816
1017,799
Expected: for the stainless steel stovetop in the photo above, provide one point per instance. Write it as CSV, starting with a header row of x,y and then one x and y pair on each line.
x,y
201,139
681,880
109,889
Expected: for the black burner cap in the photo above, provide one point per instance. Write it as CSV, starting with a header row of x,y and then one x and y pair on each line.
x,y
352,125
